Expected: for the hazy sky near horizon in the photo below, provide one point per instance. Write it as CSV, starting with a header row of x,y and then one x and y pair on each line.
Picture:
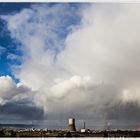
x,y
61,60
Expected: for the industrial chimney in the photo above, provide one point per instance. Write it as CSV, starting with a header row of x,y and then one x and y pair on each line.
x,y
71,124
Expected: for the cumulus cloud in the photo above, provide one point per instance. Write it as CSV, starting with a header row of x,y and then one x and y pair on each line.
x,y
16,102
42,38
9,90
108,43
76,93
87,72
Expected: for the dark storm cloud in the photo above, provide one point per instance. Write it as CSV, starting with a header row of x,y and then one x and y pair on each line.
x,y
125,116
22,111
129,111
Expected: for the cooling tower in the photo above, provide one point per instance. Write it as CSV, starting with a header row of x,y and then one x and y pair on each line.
x,y
71,124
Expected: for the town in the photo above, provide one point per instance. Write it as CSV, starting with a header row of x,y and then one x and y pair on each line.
x,y
69,132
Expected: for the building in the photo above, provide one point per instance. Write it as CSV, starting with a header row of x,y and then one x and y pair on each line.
x,y
71,125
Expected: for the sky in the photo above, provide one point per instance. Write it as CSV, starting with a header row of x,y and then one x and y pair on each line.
x,y
61,60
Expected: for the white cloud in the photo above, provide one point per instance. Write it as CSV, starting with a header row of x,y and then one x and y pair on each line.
x,y
38,34
10,90
74,95
105,46
12,56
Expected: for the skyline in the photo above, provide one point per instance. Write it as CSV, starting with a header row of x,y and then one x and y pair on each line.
x,y
61,60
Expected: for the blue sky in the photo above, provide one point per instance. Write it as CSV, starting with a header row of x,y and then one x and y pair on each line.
x,y
70,59
6,42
